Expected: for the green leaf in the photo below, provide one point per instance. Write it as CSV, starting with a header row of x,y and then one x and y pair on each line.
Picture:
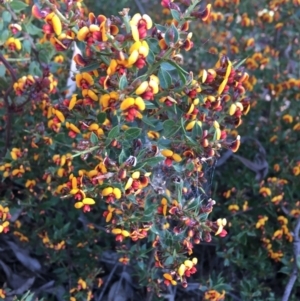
x,y
46,52
161,28
94,139
101,117
17,6
153,45
170,128
171,36
89,68
150,162
169,260
123,83
167,66
165,78
197,131
4,35
132,133
34,69
6,16
181,72
26,46
150,57
191,141
175,15
32,29
149,121
1,24
114,132
238,64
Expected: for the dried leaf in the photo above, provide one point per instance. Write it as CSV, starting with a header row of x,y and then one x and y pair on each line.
x,y
25,286
117,292
30,263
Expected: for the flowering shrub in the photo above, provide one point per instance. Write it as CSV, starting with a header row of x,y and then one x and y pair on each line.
x,y
124,156
262,209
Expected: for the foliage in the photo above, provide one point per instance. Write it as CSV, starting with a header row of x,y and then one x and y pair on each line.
x,y
109,185
118,166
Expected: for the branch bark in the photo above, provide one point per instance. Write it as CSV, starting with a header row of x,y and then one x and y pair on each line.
x,y
293,277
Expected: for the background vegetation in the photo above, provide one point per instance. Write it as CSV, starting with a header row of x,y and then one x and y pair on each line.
x,y
255,189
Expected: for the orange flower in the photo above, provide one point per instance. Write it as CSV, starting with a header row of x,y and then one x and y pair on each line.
x,y
213,295
169,279
265,191
261,222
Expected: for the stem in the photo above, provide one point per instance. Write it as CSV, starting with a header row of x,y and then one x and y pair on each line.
x,y
8,67
25,34
58,13
295,271
8,117
86,151
18,59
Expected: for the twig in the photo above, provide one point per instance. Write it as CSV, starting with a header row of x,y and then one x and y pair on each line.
x,y
107,281
26,36
8,67
139,6
8,116
296,249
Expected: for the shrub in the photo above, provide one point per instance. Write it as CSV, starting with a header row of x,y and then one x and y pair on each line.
x,y
114,173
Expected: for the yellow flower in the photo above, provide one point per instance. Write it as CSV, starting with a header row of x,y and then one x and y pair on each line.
x,y
139,26
191,125
261,222
4,227
53,20
153,135
233,208
82,284
72,127
171,156
141,47
82,33
265,191
88,93
117,231
84,202
287,118
13,44
221,222
84,80
111,194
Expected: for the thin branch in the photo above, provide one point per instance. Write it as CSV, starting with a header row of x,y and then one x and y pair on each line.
x,y
293,277
139,6
8,67
8,116
26,36
108,281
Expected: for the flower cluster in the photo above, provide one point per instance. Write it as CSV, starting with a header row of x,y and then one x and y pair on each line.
x,y
130,148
